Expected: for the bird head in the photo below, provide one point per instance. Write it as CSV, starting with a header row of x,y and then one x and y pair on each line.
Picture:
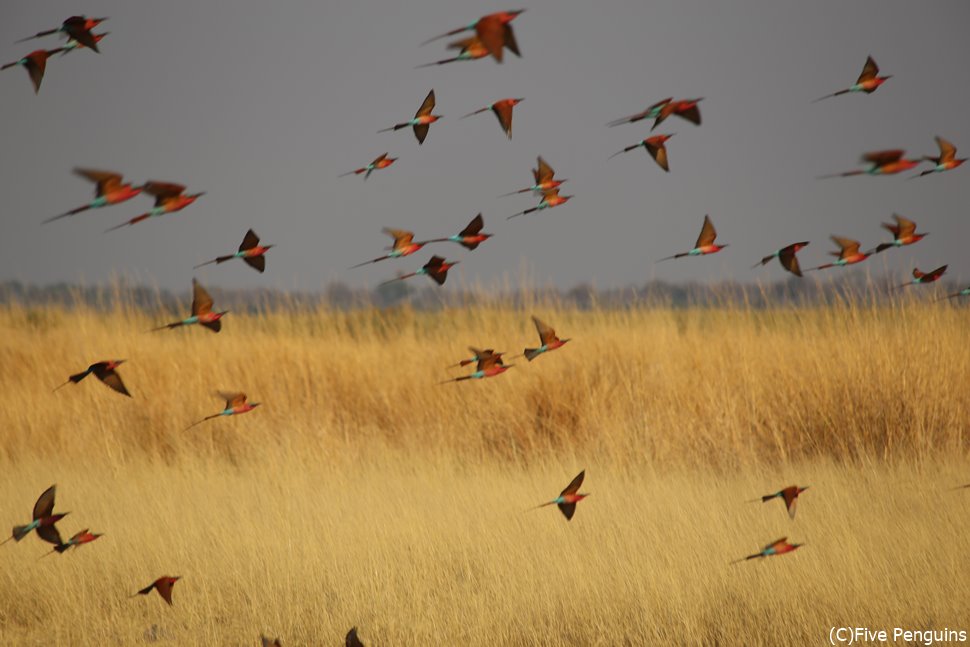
x,y
799,246
720,247
516,102
802,489
54,518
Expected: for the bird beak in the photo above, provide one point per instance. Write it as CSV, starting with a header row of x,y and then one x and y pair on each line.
x,y
517,12
255,404
120,361
199,195
520,100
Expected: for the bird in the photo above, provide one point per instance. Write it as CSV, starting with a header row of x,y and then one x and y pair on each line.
x,y
76,28
235,404
469,49
848,254
686,109
164,587
381,162
550,199
488,365
503,111
962,293
904,233
78,540
920,278
544,177
888,162
250,250
477,356
655,145
788,494
270,642
169,198
201,311
404,245
110,189
470,237
650,113
868,82
36,64
569,497
786,256
351,639
73,45
106,371
946,160
43,520
705,242
547,339
777,547
422,119
437,269
494,32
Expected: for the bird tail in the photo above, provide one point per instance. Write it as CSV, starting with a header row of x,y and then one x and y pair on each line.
x,y
821,267
214,260
450,33
72,212
505,195
681,255
441,62
522,213
368,262
398,278
763,261
844,174
167,326
38,35
829,96
354,172
19,532
531,353
480,110
457,379
133,221
394,127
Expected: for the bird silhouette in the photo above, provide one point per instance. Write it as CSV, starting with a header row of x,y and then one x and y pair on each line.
x,y
503,111
569,497
550,199
868,82
436,269
381,162
777,547
544,179
789,495
105,371
422,119
78,540
250,250
786,256
202,312
169,198
848,254
904,233
705,242
547,340
164,587
470,237
946,160
489,364
43,520
36,64
404,245
920,278
236,404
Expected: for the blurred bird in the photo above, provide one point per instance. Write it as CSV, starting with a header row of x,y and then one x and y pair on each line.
x,y
788,494
868,82
705,242
36,64
777,547
904,233
267,642
477,356
965,292
109,190
164,587
470,49
437,269
919,278
494,32
889,162
650,113
849,254
489,365
545,179
381,162
252,253
550,199
547,339
76,28
655,145
568,498
470,237
105,371
352,640
503,111
786,256
686,109
422,119
169,198
404,245
78,540
43,520
72,44
946,160
235,404
201,312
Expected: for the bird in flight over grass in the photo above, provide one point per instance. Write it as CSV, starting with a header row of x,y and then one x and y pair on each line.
x,y
705,242
78,540
550,199
547,339
75,28
544,177
947,159
888,162
422,119
477,356
202,312
921,278
789,495
109,189
503,111
105,371
404,245
904,233
469,49
164,587
489,364
848,254
655,146
169,198
36,64
437,269
868,82
569,497
965,292
381,162
236,404
250,250
470,237
43,520
778,547
786,256
351,640
494,31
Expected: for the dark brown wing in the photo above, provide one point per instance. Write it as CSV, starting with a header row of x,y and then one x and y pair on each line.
x,y
382,157
708,233
659,154
257,262
789,261
201,301
214,326
491,32
544,173
509,36
869,71
848,246
164,587
473,227
112,379
948,151
881,158
352,640
488,360
427,106
163,190
546,333
50,534
35,69
574,485
107,181
421,132
249,241
905,227
692,114
504,113
568,510
45,504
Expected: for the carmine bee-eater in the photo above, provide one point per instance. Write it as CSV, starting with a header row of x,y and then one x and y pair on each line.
x,y
889,162
848,254
868,82
351,640
78,540
544,177
381,162
494,32
164,587
250,250
650,113
470,237
36,64
235,404
777,547
786,256
550,199
477,356
488,365
73,44
655,145
705,242
469,49
919,278
965,292
169,198
422,119
201,312
686,109
105,371
109,189
75,28
43,520
547,339
404,245
789,495
503,111
568,498
904,233
437,269
947,159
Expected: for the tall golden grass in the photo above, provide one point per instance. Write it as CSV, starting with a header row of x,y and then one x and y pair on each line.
x,y
363,492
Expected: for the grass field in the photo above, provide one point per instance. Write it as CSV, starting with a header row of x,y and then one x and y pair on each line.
x,y
364,493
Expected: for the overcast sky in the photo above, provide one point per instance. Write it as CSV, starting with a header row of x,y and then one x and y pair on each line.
x,y
264,104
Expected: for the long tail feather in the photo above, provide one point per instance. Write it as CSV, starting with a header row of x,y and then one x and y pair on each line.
x,y
72,212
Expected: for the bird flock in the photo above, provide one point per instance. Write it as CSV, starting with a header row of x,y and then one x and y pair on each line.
x,y
492,35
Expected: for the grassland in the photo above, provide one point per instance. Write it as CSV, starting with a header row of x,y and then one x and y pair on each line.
x,y
364,493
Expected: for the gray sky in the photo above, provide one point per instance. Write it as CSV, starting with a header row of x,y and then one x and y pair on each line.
x,y
264,104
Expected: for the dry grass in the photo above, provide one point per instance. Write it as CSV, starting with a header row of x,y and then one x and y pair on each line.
x,y
364,493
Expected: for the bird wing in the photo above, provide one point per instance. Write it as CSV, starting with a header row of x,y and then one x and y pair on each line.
x,y
848,246
778,543
464,43
111,378
421,132
233,400
789,260
545,172
163,190
869,71
36,66
546,333
107,181
491,32
549,194
379,159
948,151
50,534
509,37
427,106
904,226
692,114
402,238
164,588
45,504
659,153
473,227
937,273
881,158
568,510
574,485
201,301
708,233
352,640
503,111
257,262
249,241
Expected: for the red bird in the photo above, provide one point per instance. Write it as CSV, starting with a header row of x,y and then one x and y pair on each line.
x,y
848,254
422,119
36,64
250,250
685,109
43,520
705,242
164,587
868,82
404,245
236,404
76,28
489,365
920,278
105,371
72,45
786,256
777,547
568,498
437,269
470,49
889,162
169,198
547,339
655,146
550,199
503,111
904,233
494,32
381,162
78,540
202,313
109,189
478,356
470,237
788,494
946,160
544,179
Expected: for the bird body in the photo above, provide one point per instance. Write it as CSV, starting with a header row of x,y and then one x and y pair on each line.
x,y
110,189
469,49
169,198
436,269
848,254
789,495
74,44
403,245
202,312
493,32
381,162
920,278
43,520
947,159
868,82
904,233
106,371
503,112
78,540
887,162
250,250
777,547
489,364
236,404
550,199
548,340
164,587
422,119
77,28
470,237
705,242
569,497
544,177
786,256
655,147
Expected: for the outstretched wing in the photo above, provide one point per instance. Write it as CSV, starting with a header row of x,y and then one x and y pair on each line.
x,y
249,241
233,400
427,106
574,485
544,173
881,158
45,504
473,227
107,181
948,151
708,233
402,237
849,247
546,333
869,71
201,301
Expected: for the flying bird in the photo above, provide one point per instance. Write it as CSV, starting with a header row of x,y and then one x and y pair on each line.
x,y
778,547
919,278
36,64
868,82
235,404
381,162
848,254
105,371
789,495
962,293
503,111
201,312
250,250
73,45
550,199
404,245
946,160
478,355
164,587
352,640
43,520
437,269
904,233
655,145
78,540
76,28
169,198
489,365
470,237
705,242
568,498
547,339
494,31
650,113
469,49
544,177
888,162
422,119
786,256
110,189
